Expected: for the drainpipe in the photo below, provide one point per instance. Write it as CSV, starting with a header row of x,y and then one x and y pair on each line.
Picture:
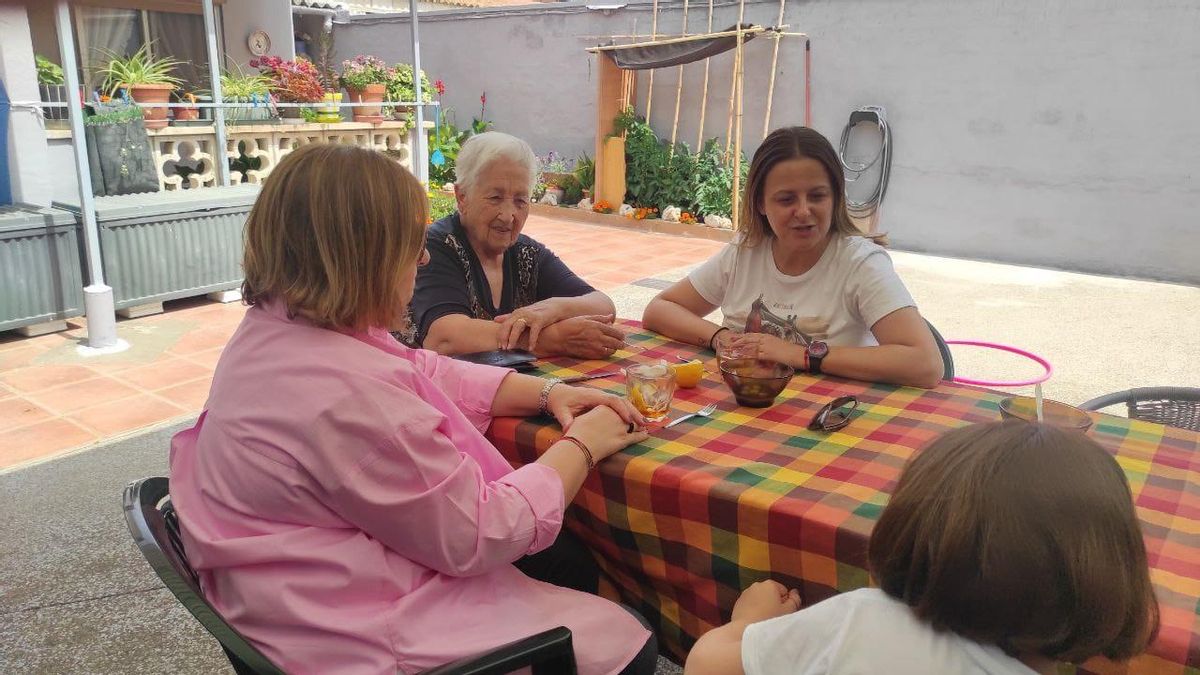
x,y
97,296
422,159
214,76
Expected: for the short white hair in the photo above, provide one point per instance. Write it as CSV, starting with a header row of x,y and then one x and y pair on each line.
x,y
481,150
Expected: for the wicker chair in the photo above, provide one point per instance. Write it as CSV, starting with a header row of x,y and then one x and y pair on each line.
x,y
1174,406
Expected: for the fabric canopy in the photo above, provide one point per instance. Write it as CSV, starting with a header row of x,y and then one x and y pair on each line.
x,y
634,57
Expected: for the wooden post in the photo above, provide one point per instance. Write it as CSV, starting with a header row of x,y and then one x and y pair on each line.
x,y
737,58
650,86
611,96
679,86
774,62
737,148
704,95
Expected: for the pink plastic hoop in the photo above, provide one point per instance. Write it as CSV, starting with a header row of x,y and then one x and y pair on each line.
x,y
1005,348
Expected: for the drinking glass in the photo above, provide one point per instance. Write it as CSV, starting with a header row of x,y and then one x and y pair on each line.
x,y
650,388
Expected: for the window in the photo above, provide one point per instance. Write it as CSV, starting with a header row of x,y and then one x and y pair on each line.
x,y
100,31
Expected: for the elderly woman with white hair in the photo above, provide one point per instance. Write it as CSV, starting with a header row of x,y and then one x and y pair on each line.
x,y
487,286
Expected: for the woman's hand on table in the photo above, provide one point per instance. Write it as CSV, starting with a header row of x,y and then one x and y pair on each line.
x,y
765,600
534,318
566,402
584,337
605,429
769,347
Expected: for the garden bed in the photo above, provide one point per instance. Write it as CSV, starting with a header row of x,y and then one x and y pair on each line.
x,y
655,225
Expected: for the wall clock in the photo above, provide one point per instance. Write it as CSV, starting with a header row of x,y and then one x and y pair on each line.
x,y
259,42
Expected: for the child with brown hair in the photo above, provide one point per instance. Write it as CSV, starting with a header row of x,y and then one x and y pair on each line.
x,y
1005,548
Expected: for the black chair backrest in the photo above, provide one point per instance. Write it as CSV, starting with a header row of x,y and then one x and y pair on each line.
x,y
1173,406
944,349
154,527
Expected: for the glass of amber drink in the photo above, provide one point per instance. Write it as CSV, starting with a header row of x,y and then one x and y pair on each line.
x,y
650,388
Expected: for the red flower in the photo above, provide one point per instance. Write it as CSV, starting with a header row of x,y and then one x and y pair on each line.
x,y
439,86
483,99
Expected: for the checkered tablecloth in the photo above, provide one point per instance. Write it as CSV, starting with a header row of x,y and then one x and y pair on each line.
x,y
686,520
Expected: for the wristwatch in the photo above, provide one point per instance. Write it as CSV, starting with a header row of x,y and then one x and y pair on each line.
x,y
816,351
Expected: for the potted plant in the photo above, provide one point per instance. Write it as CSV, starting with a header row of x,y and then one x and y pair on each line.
x,y
187,114
50,83
365,79
255,90
291,82
401,87
554,173
585,172
147,79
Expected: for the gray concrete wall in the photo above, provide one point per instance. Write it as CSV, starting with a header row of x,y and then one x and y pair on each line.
x,y
1053,134
28,177
240,18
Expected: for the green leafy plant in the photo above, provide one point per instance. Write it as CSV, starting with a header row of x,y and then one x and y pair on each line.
x,y
48,72
712,181
585,171
572,190
114,115
309,115
445,143
238,85
441,205
655,176
140,68
401,87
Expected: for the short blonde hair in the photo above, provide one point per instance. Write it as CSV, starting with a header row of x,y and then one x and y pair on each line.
x,y
332,235
481,150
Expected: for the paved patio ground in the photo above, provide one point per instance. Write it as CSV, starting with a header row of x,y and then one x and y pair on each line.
x,y
1102,334
76,596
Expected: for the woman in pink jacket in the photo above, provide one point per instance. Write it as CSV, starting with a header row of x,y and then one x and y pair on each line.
x,y
337,496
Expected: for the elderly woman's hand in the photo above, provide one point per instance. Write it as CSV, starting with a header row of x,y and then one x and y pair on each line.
x,y
566,402
533,318
584,337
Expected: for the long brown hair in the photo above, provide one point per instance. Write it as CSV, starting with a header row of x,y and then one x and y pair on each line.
x,y
1020,535
333,233
784,144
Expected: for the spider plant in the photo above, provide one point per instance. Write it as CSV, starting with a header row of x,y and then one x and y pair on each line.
x,y
240,86
140,68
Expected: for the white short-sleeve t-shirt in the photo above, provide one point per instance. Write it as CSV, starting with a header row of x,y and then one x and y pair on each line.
x,y
865,632
851,287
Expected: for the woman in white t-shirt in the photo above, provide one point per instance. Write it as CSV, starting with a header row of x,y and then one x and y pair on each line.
x,y
1005,549
805,290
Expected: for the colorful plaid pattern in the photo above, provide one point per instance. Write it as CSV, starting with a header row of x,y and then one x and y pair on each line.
x,y
686,520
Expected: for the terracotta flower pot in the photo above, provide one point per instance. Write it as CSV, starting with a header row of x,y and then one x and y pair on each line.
x,y
156,118
187,114
372,93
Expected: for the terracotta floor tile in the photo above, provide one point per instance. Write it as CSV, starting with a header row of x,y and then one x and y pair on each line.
x,y
163,373
19,412
36,378
131,413
207,359
19,357
84,394
198,341
191,395
42,440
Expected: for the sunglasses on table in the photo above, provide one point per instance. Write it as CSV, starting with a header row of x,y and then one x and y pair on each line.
x,y
834,415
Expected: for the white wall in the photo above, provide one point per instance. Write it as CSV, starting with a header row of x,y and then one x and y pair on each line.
x,y
1054,134
240,18
28,175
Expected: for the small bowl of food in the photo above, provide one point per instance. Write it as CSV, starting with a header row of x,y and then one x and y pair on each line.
x,y
755,382
1053,412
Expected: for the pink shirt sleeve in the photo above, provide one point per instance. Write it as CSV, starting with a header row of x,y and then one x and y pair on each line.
x,y
423,498
470,385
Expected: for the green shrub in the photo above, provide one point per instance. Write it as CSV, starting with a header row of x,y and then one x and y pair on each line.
x,y
48,72
441,205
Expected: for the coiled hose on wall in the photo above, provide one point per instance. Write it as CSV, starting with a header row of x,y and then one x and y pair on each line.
x,y
867,119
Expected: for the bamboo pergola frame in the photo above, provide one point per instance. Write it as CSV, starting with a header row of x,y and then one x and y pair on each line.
x,y
734,122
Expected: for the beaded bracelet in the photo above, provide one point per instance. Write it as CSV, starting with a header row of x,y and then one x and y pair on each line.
x,y
587,454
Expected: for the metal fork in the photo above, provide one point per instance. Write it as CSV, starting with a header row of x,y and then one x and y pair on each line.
x,y
703,412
